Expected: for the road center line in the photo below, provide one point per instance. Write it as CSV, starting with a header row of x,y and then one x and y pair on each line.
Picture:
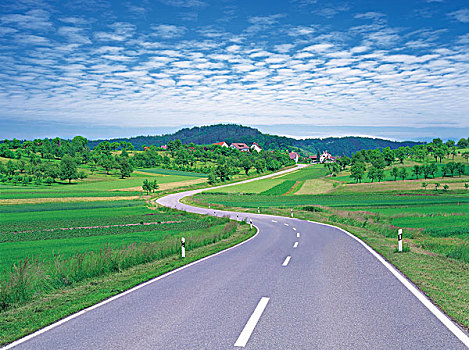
x,y
286,225
295,245
252,322
297,235
274,220
294,229
287,260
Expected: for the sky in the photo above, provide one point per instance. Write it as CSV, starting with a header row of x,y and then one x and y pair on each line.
x,y
302,68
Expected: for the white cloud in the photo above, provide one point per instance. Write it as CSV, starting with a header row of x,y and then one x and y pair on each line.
x,y
167,31
460,15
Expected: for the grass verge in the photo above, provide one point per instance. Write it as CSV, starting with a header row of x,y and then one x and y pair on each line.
x,y
25,319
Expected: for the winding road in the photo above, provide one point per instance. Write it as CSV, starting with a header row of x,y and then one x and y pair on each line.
x,y
295,285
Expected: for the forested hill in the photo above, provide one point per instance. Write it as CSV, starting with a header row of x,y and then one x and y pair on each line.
x,y
238,133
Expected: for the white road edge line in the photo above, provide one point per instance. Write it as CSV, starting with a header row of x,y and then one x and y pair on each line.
x,y
274,220
287,260
252,322
104,302
452,327
295,245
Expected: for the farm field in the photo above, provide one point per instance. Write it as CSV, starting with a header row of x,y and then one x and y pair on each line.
x,y
280,184
102,185
53,238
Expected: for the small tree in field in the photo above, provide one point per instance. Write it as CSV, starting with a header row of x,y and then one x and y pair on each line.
x,y
424,185
403,173
446,187
68,168
395,173
466,186
437,184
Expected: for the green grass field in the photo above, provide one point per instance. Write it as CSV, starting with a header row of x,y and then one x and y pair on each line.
x,y
277,185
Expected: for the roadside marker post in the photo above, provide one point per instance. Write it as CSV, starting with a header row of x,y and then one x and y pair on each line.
x,y
399,240
291,212
183,247
209,205
258,210
250,222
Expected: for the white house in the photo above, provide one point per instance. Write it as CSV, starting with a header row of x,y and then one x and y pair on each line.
x,y
256,147
326,157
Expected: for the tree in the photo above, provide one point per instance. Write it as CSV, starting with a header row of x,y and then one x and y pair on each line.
x,y
68,168
212,179
246,164
460,168
417,170
437,184
403,173
395,173
424,185
146,186
446,187
125,167
259,164
463,143
357,171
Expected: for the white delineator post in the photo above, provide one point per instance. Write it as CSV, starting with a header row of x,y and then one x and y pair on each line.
x,y
258,210
399,240
183,247
250,222
209,205
291,212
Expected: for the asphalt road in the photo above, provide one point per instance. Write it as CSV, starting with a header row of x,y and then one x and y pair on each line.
x,y
295,285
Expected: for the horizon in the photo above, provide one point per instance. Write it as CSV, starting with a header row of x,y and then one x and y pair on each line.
x,y
104,69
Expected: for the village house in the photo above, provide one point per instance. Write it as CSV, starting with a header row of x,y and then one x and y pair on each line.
x,y
294,156
313,159
242,147
165,147
256,147
222,144
326,157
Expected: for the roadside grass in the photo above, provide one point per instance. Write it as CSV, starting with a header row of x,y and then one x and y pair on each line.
x,y
57,304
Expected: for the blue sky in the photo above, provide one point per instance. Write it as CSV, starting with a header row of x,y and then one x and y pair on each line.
x,y
304,68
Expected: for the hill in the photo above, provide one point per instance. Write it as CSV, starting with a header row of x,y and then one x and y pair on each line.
x,y
239,133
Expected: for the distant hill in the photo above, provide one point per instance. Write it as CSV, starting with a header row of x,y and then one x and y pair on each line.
x,y
239,133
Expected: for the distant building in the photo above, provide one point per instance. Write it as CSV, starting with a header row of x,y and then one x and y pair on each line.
x,y
146,148
313,159
326,157
242,147
294,156
165,147
256,147
222,144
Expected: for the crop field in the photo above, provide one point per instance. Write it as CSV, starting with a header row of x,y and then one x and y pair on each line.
x,y
161,171
277,185
37,237
101,185
356,200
